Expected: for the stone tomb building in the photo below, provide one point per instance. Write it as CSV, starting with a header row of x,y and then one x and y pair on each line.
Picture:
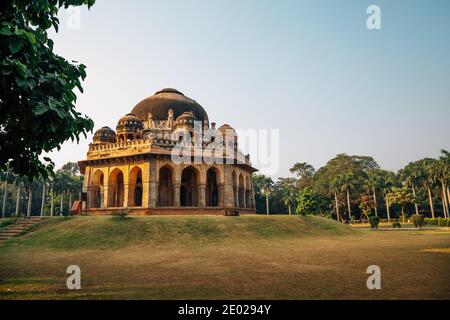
x,y
166,158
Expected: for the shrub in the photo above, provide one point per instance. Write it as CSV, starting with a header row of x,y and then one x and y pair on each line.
x,y
122,214
418,220
396,224
441,222
374,222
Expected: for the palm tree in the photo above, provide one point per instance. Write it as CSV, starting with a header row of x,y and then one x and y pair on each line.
x,y
266,188
410,176
386,182
5,194
428,182
336,187
440,172
288,197
372,183
44,195
348,184
444,177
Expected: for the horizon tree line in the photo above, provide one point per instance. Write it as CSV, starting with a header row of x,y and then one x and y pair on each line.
x,y
44,197
346,184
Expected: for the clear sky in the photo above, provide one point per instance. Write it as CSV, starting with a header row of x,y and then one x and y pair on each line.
x,y
309,68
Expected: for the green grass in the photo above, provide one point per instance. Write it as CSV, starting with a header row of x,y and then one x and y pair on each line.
x,y
215,257
119,232
6,222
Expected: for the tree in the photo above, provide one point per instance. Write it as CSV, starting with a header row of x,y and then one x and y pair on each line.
x,y
367,204
304,171
387,180
402,197
336,186
347,184
307,202
411,176
263,186
289,192
37,105
372,184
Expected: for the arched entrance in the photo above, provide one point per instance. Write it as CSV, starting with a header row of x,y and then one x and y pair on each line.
x,y
116,189
248,192
96,190
235,190
189,188
135,188
212,189
165,187
241,193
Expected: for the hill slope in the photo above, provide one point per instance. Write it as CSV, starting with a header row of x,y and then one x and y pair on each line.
x,y
116,232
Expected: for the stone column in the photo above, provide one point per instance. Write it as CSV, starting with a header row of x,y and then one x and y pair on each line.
x,y
176,194
105,190
85,188
126,194
221,190
153,183
201,196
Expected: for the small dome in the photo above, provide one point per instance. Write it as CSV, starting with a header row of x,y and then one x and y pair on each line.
x,y
226,128
104,135
186,118
129,123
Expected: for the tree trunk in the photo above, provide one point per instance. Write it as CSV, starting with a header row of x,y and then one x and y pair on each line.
x,y
267,204
337,207
18,201
387,210
61,205
430,198
403,215
375,201
5,195
444,204
30,198
52,207
349,207
415,200
43,200
289,208
70,202
444,193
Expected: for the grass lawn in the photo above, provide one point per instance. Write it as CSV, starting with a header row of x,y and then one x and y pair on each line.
x,y
6,222
247,257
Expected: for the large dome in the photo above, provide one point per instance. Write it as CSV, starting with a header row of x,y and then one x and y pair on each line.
x,y
162,101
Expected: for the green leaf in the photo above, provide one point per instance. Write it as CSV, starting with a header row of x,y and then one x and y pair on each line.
x,y
40,109
16,46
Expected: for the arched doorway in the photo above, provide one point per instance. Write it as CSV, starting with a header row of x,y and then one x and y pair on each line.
x,y
165,187
189,188
212,189
235,190
116,189
96,190
135,188
241,193
248,192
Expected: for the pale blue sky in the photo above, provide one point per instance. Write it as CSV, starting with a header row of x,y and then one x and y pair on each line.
x,y
310,68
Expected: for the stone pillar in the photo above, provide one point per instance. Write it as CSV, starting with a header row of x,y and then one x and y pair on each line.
x,y
85,188
202,195
221,190
153,183
126,194
244,203
176,194
105,189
